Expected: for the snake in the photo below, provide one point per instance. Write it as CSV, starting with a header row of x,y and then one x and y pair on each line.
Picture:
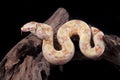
x,y
68,29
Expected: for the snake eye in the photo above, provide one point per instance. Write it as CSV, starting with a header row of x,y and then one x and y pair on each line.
x,y
28,28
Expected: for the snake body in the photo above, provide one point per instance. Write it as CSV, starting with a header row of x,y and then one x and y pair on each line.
x,y
68,29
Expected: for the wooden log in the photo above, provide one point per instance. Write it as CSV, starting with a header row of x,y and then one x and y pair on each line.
x,y
112,51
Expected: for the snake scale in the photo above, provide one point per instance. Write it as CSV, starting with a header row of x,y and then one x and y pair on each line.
x,y
68,29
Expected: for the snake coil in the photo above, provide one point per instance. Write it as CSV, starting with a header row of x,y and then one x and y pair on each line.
x,y
72,27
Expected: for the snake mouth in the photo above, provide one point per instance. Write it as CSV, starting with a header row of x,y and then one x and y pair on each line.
x,y
24,30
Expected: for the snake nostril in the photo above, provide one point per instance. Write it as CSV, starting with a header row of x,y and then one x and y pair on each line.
x,y
22,29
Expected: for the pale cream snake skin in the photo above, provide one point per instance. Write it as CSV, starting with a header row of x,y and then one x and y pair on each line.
x,y
72,27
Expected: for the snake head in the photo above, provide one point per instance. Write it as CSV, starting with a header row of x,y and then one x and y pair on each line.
x,y
31,26
43,31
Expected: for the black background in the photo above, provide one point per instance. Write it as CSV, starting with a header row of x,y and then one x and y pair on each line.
x,y
104,15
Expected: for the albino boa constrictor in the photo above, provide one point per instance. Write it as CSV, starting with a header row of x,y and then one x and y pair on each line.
x,y
72,27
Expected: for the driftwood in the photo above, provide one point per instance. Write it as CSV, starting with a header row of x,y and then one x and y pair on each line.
x,y
26,62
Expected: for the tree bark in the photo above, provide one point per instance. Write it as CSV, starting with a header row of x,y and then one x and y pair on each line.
x,y
26,62
112,51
